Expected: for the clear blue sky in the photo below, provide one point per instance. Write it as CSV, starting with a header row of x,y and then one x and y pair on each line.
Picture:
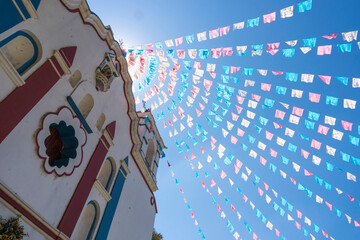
x,y
140,22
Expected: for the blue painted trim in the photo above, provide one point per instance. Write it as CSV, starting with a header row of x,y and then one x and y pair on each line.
x,y
35,3
94,220
26,65
23,8
109,212
111,174
78,113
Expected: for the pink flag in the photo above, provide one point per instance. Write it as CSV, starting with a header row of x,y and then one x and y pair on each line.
x,y
277,232
245,198
331,36
150,52
298,111
178,41
238,163
213,140
263,160
224,30
170,123
181,190
298,226
165,125
149,45
227,51
329,205
268,18
207,84
325,234
277,72
196,89
315,144
212,183
203,184
314,97
323,129
240,99
212,74
323,50
234,116
293,180
276,125
174,118
218,208
346,125
299,214
260,191
192,215
279,114
240,132
214,33
326,79
357,224
305,154
273,153
216,52
255,236
268,135
181,53
232,207
202,107
193,156
198,113
197,65
187,158
202,150
212,146
223,175
238,109
233,139
351,198
234,69
273,48
236,169
255,97
266,87
266,186
307,173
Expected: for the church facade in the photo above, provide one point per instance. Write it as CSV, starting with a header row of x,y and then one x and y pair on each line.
x,y
76,159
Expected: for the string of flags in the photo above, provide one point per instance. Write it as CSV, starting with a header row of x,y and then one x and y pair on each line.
x,y
272,116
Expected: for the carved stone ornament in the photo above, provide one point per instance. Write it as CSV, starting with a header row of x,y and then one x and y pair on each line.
x,y
60,142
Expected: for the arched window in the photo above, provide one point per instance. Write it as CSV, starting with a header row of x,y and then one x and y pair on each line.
x,y
21,50
85,105
107,173
150,152
88,221
75,78
100,121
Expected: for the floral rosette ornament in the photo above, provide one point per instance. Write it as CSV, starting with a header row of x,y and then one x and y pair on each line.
x,y
60,142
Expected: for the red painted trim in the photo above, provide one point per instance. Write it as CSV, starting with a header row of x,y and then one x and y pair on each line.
x,y
153,202
132,140
105,141
27,214
20,101
57,65
37,144
111,129
82,191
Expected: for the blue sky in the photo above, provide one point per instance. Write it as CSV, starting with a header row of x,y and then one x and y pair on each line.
x,y
141,22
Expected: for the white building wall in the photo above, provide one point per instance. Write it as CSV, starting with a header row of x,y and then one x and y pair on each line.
x,y
21,168
134,216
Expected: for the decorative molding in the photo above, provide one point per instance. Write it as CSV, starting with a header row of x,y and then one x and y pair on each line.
x,y
106,35
62,62
63,114
30,8
102,190
10,71
108,138
19,207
